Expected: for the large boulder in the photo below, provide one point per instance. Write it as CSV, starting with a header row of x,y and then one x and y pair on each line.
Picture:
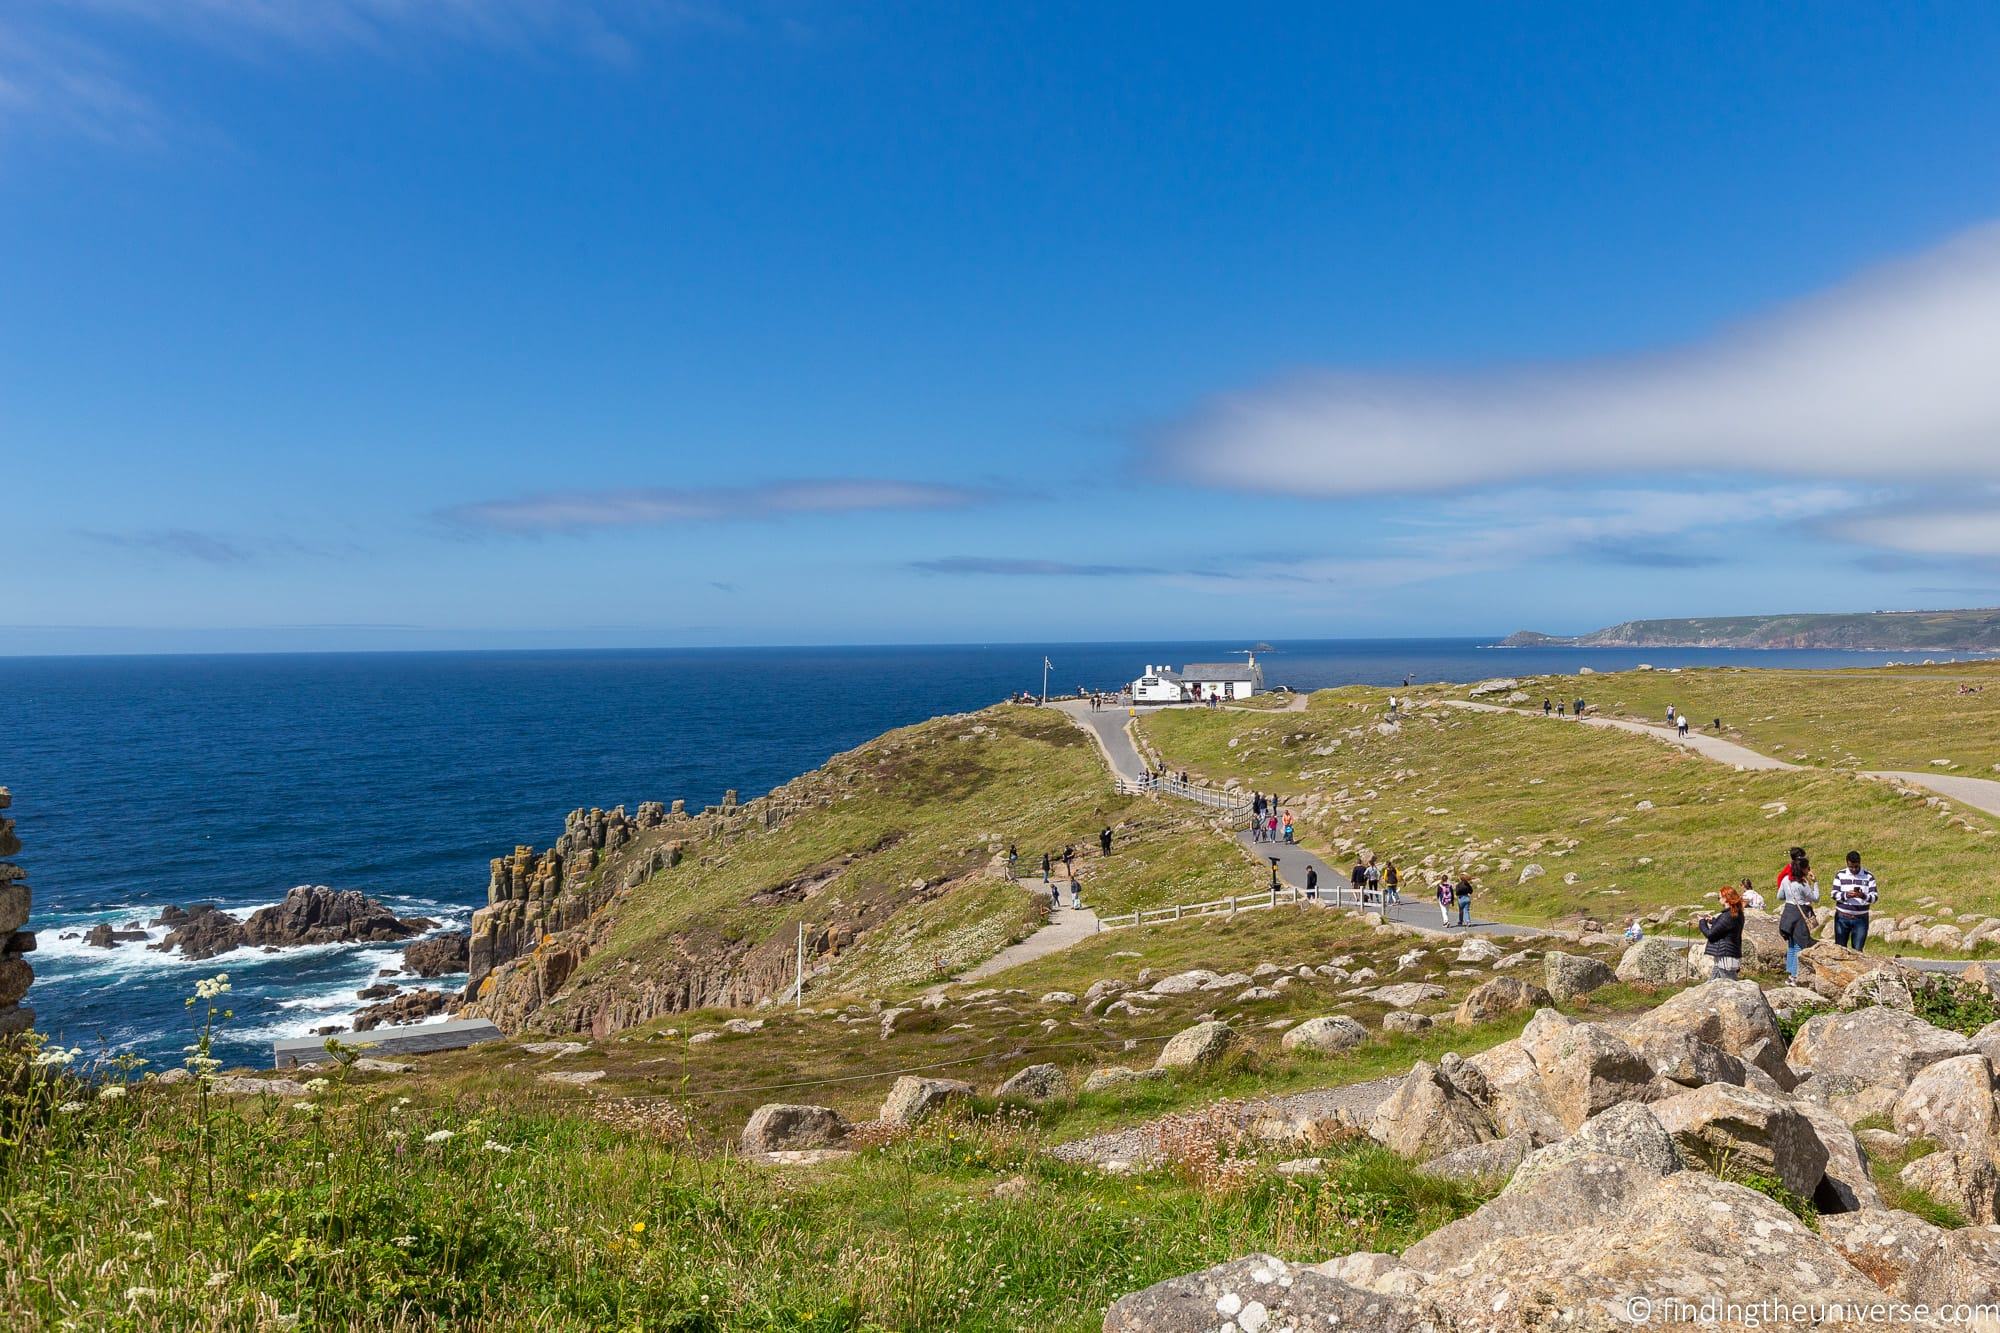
x,y
1583,1068
1886,986
412,1006
1629,1131
1740,1129
1328,1035
1478,949
1847,1186
1877,1047
1258,1293
913,1098
1686,1236
1827,969
1687,1060
1495,1159
1036,1083
1428,1115
1987,1041
1405,994
1198,1046
1496,999
1968,1182
1954,1103
1788,1000
1182,983
1730,1015
1580,1191
1914,1261
1568,975
316,914
1655,962
1513,1095
784,1128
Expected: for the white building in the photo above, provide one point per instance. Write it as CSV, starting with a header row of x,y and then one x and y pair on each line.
x,y
1198,681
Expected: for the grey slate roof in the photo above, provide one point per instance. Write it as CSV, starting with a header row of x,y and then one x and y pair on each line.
x,y
1204,673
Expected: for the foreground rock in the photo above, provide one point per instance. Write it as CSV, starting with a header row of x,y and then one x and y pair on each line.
x,y
1878,1048
1428,1116
1655,962
1329,1035
1568,975
1726,1127
1261,1293
1496,999
1198,1046
1035,1083
1914,1261
784,1128
913,1098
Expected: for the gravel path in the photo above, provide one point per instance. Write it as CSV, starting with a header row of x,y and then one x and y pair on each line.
x,y
1138,1144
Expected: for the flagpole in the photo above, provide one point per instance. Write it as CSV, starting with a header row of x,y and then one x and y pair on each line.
x,y
1045,678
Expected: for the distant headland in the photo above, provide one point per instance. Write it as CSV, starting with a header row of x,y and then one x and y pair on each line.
x,y
1888,631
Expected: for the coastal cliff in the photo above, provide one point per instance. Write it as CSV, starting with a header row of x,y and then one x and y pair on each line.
x,y
1968,631
15,974
887,861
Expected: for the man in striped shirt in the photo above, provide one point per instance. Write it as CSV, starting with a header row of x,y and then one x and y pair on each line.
x,y
1853,894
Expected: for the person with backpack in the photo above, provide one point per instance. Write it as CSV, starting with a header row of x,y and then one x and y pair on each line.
x,y
1724,932
1464,895
1798,890
1444,900
1391,882
1854,893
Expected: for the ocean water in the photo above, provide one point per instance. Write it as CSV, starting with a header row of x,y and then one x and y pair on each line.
x,y
143,781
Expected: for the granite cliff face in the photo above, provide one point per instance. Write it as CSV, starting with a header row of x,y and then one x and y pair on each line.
x,y
15,974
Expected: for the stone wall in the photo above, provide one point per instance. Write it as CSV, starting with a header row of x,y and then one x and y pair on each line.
x,y
15,974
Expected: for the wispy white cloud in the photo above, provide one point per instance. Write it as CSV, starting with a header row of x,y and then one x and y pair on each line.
x,y
586,511
1893,376
208,548
70,64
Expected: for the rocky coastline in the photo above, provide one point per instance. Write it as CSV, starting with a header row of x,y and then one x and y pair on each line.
x,y
15,941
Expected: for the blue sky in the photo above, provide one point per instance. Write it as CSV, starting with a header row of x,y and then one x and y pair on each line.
x,y
374,323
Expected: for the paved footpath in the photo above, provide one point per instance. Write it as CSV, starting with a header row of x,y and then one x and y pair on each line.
x,y
1979,793
1109,726
1066,926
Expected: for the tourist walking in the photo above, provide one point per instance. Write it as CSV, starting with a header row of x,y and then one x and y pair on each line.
x,y
1372,881
1046,868
1013,861
1104,839
1798,890
1288,826
1682,723
1312,884
1069,861
1464,894
1075,895
1724,932
1547,708
1357,879
1271,828
1854,894
1444,900
1392,880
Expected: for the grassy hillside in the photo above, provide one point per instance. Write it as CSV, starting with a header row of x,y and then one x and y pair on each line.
x,y
900,851
1868,718
1494,793
1896,631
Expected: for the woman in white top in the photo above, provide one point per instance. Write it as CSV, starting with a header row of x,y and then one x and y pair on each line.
x,y
1797,892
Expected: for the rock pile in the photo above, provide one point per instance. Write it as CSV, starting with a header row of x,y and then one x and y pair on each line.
x,y
1650,1163
310,914
15,974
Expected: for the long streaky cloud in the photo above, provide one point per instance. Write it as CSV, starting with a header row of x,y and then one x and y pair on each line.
x,y
1892,376
645,507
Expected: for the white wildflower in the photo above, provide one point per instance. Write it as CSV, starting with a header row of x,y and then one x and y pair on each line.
x,y
210,987
305,1108
70,1108
111,1092
492,1146
56,1056
316,1085
439,1136
137,1294
216,1279
397,1135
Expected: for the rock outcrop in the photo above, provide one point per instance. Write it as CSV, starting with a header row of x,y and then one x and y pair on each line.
x,y
412,1006
437,955
309,914
15,900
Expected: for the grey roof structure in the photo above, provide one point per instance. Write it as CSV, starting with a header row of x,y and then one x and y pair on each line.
x,y
412,1040
1218,673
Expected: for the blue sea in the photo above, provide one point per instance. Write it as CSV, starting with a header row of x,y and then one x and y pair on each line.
x,y
143,781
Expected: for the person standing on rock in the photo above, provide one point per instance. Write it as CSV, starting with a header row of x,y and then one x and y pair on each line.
x,y
1798,890
1854,893
1724,932
1464,895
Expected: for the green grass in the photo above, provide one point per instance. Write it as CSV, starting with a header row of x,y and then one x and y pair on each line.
x,y
1860,718
1895,1194
162,1210
1493,793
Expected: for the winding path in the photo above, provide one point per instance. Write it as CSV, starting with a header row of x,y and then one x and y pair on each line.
x,y
1980,793
1066,926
